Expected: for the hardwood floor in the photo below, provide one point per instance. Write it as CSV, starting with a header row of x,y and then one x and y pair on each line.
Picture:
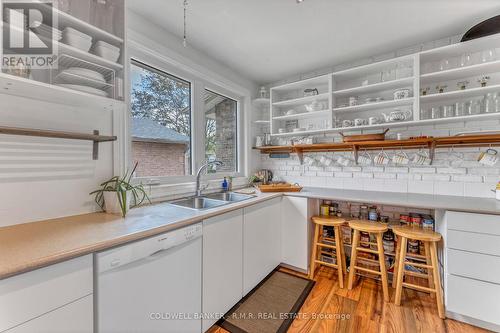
x,y
330,309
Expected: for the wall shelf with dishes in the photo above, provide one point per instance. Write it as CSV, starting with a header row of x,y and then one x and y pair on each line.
x,y
303,106
447,84
89,58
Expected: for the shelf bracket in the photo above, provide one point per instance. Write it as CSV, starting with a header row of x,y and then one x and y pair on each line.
x,y
432,150
355,149
300,155
95,147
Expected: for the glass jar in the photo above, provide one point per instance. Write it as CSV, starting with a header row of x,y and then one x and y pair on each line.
x,y
489,103
425,113
448,111
363,212
497,102
436,112
474,107
459,109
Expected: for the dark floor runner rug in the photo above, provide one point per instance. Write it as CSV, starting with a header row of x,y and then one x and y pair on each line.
x,y
270,307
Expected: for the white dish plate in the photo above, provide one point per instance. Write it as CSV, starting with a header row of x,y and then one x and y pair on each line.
x,y
84,89
70,78
88,73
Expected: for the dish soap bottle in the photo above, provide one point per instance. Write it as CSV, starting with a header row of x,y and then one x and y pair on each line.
x,y
225,185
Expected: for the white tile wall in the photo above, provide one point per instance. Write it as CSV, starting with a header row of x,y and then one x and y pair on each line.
x,y
456,173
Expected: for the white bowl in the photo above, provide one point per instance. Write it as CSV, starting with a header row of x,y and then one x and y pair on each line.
x,y
106,53
107,45
77,41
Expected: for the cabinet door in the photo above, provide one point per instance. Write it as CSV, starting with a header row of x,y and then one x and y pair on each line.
x,y
32,294
222,264
261,241
295,232
76,317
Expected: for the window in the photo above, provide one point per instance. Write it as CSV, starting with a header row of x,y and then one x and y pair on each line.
x,y
161,122
221,139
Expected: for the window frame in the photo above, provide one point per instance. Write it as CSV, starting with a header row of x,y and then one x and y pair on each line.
x,y
198,86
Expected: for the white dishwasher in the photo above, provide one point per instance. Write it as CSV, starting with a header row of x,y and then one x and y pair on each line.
x,y
153,285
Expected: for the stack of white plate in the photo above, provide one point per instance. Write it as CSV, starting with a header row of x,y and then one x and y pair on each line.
x,y
107,51
83,79
77,39
47,31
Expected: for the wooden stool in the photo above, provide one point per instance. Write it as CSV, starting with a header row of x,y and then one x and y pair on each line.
x,y
430,239
336,223
372,228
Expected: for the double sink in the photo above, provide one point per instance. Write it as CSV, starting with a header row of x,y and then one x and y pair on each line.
x,y
211,200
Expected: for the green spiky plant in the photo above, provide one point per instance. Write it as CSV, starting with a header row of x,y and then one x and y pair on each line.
x,y
121,186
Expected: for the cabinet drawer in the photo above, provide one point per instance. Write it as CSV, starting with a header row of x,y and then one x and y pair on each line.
x,y
482,223
473,298
474,265
474,242
76,317
26,296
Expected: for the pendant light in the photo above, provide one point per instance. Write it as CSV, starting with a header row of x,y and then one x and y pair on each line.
x,y
184,39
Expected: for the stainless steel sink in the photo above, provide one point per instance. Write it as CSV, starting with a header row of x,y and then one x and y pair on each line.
x,y
229,196
199,203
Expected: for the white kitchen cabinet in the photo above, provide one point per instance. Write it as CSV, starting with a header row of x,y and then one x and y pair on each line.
x,y
295,231
261,241
30,295
472,286
222,264
76,317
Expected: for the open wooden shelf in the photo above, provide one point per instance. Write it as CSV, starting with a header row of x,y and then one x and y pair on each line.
x,y
95,137
429,143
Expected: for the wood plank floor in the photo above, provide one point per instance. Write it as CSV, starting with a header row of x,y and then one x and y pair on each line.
x,y
330,309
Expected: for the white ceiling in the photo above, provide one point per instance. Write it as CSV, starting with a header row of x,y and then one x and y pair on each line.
x,y
268,40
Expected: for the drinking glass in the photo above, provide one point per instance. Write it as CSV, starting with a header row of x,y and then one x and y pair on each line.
x,y
436,112
448,111
459,109
465,60
425,113
444,64
489,103
474,107
487,55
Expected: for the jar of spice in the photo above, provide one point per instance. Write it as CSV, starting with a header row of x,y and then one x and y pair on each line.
x,y
427,222
404,219
415,220
324,209
364,239
388,241
363,212
413,246
373,213
384,219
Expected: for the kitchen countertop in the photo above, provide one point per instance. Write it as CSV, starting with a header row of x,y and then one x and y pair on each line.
x,y
410,200
25,247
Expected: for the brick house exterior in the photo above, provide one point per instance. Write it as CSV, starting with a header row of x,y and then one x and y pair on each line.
x,y
159,150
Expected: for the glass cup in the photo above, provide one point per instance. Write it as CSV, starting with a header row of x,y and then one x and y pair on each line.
x,y
459,109
448,111
436,112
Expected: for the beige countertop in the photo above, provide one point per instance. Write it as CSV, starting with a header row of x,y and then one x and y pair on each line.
x,y
410,200
28,246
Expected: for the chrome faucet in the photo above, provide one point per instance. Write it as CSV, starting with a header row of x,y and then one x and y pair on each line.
x,y
198,174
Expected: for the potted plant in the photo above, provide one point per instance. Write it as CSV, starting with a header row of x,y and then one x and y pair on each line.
x,y
117,195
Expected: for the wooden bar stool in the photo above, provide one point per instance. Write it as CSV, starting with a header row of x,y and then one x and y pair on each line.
x,y
378,230
430,239
318,242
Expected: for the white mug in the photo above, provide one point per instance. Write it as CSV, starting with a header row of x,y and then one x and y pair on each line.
x,y
365,159
344,161
401,158
488,157
382,158
421,158
326,161
309,161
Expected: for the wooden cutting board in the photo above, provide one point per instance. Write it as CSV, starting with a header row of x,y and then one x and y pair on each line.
x,y
283,187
